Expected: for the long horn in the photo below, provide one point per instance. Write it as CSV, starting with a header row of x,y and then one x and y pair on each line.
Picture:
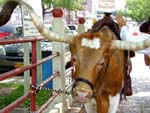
x,y
134,46
41,28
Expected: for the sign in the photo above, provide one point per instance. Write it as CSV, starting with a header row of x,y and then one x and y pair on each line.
x,y
28,27
107,5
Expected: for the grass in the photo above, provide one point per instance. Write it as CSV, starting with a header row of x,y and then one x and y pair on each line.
x,y
16,90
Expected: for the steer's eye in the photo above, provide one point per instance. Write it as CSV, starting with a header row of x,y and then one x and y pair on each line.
x,y
101,63
74,61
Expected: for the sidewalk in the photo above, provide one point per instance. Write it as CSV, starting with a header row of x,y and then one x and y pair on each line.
x,y
139,102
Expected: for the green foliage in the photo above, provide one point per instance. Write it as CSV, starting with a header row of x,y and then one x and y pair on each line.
x,y
138,10
2,2
68,4
42,97
17,90
47,2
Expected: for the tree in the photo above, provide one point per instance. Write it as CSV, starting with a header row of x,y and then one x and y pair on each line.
x,y
70,5
6,11
138,10
9,6
46,4
2,2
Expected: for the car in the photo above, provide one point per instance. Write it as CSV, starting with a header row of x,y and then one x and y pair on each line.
x,y
67,30
5,64
6,32
14,52
73,28
10,32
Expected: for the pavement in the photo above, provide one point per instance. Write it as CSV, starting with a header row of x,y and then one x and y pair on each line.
x,y
139,102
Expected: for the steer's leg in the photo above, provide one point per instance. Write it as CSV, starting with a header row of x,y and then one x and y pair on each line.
x,y
102,103
113,103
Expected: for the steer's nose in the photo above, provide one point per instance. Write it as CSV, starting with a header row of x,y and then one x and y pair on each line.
x,y
82,95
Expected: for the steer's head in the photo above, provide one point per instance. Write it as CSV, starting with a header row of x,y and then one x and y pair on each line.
x,y
89,52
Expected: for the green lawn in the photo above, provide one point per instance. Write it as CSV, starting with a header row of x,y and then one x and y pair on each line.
x,y
9,92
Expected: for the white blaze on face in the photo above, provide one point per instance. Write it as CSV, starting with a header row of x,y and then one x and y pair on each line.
x,y
94,43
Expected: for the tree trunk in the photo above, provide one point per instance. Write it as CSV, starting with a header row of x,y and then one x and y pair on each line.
x,y
7,11
69,17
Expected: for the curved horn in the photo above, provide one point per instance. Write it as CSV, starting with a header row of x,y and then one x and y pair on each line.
x,y
41,28
135,46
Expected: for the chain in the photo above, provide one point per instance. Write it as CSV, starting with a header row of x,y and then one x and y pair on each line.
x,y
38,88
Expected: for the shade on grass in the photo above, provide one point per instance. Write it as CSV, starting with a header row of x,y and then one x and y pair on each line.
x,y
15,91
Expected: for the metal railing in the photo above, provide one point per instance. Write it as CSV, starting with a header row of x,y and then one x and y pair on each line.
x,y
33,67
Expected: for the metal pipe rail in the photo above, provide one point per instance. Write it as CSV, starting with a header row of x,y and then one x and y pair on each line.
x,y
20,40
16,103
68,71
49,79
44,106
33,67
25,68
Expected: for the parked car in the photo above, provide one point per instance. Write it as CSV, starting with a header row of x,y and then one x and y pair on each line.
x,y
10,32
67,29
5,64
14,52
73,28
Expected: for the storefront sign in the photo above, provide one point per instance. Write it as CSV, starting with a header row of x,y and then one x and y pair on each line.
x,y
107,5
28,27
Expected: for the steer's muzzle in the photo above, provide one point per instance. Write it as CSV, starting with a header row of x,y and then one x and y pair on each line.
x,y
82,92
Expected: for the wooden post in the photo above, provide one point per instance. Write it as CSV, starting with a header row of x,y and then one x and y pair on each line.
x,y
29,30
58,62
81,27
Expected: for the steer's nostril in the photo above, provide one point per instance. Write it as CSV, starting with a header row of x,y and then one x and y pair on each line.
x,y
82,94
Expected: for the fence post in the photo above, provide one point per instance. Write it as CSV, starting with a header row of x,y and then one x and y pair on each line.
x,y
39,57
58,62
26,60
81,26
29,30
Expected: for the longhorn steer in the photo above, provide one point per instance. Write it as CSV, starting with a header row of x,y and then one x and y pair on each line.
x,y
99,70
98,62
